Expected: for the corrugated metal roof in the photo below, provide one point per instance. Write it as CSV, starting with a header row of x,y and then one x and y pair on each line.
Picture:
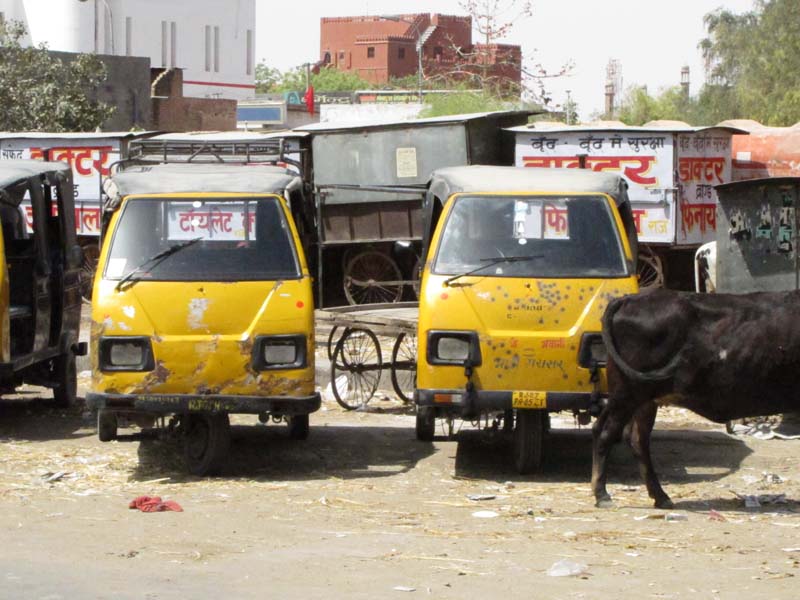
x,y
444,120
36,135
663,126
733,185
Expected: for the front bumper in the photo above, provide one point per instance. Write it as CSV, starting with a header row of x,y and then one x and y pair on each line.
x,y
478,401
187,403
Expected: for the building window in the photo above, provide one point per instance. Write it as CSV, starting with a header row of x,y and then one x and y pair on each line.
x,y
370,51
249,52
128,36
438,52
208,47
173,43
401,53
163,43
216,48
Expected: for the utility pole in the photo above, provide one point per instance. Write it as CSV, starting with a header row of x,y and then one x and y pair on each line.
x,y
568,107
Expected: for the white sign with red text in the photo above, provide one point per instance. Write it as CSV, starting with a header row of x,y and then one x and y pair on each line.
x,y
704,161
645,159
90,158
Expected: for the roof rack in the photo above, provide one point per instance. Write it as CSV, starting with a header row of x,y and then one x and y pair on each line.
x,y
205,151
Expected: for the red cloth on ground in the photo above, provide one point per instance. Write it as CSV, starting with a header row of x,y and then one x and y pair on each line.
x,y
154,504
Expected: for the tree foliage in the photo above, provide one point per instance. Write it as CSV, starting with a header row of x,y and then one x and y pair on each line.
x,y
41,92
462,102
270,80
752,67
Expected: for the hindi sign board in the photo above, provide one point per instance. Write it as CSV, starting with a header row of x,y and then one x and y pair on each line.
x,y
90,155
644,158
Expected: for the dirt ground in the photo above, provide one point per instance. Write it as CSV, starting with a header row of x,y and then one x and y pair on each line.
x,y
363,510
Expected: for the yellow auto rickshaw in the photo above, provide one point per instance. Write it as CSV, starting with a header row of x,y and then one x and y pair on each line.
x,y
202,306
40,301
518,271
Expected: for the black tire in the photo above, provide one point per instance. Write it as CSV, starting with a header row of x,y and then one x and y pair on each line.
x,y
403,368
529,440
65,392
426,423
298,427
358,358
106,425
206,441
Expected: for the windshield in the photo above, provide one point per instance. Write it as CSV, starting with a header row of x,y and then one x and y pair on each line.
x,y
218,240
531,236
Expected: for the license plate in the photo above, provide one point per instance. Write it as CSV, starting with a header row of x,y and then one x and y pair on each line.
x,y
529,399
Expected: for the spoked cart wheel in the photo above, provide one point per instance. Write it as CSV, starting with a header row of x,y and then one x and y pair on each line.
x,y
650,269
207,438
356,368
333,339
372,277
404,366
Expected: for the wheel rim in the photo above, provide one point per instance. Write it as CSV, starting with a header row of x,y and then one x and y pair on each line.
x,y
365,277
650,271
356,368
404,366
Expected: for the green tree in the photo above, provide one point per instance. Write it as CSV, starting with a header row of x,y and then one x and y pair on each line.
x,y
270,80
437,105
40,92
754,58
672,104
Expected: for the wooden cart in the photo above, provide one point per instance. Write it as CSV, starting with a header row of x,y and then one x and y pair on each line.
x,y
357,355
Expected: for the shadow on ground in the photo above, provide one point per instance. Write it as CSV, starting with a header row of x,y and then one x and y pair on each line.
x,y
266,453
680,456
33,416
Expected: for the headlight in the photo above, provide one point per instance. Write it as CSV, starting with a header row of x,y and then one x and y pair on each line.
x,y
126,353
453,348
592,351
279,352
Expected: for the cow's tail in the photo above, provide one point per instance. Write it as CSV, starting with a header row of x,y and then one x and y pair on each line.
x,y
658,374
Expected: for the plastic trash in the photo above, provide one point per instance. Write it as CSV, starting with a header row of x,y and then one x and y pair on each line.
x,y
567,568
485,514
675,517
481,497
403,588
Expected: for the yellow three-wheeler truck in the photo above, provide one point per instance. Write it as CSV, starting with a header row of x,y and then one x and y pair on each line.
x,y
202,306
518,273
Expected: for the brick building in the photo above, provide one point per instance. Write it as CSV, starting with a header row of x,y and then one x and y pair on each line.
x,y
379,48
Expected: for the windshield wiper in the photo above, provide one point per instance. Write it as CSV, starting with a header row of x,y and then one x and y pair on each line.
x,y
492,261
155,259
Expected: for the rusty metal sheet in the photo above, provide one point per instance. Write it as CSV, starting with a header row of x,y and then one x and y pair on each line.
x,y
757,235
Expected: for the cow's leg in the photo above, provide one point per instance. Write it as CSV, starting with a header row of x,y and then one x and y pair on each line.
x,y
606,432
642,426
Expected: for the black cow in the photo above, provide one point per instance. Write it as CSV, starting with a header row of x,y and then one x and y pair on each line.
x,y
722,356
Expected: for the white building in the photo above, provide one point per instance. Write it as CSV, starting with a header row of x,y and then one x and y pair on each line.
x,y
213,41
